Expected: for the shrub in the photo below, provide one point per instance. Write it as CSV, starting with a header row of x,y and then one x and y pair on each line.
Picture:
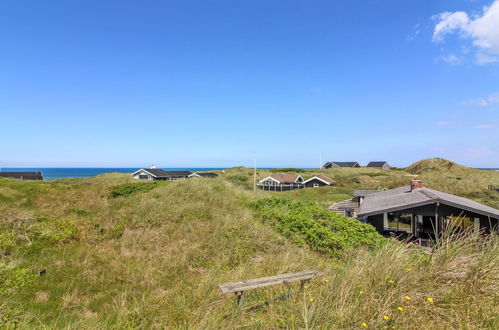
x,y
127,189
14,278
55,231
322,230
7,241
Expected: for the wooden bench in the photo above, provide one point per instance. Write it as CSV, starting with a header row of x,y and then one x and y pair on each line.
x,y
239,287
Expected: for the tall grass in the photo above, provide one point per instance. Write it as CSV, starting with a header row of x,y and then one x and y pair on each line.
x,y
154,259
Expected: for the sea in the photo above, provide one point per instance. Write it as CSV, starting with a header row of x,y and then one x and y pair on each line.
x,y
50,173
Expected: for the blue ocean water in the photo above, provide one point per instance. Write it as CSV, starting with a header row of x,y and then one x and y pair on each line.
x,y
50,173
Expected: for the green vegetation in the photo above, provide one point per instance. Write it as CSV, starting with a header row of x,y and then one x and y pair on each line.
x,y
154,257
320,229
288,169
130,188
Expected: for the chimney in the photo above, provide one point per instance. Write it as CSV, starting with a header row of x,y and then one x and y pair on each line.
x,y
153,166
416,184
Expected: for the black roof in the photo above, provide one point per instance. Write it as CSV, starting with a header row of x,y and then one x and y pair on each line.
x,y
376,164
346,164
22,175
159,173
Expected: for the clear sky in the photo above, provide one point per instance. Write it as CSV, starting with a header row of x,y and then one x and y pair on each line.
x,y
218,83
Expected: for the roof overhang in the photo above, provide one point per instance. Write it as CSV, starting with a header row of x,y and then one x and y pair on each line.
x,y
316,177
428,202
143,170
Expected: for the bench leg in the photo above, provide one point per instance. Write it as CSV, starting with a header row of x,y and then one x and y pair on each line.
x,y
240,298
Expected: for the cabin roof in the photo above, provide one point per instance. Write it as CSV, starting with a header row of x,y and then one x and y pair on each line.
x,y
363,192
22,175
322,178
283,178
346,164
403,198
377,164
159,173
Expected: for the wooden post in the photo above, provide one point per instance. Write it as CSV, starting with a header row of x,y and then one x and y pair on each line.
x,y
240,298
435,229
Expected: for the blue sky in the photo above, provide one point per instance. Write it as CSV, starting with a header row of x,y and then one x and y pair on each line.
x,y
219,83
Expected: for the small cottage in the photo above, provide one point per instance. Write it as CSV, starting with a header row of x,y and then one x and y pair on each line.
x,y
319,181
379,164
155,173
341,164
22,175
281,179
423,212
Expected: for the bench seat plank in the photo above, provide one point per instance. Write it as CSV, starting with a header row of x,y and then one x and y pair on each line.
x,y
266,281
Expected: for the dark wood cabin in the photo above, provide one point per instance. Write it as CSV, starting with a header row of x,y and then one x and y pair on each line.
x,y
382,165
341,164
22,175
159,174
319,181
424,213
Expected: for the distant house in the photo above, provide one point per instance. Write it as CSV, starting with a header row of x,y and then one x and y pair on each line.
x,y
319,181
281,182
155,173
22,175
281,179
381,165
210,175
341,164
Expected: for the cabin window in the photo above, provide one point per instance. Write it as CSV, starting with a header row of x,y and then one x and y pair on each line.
x,y
460,223
400,222
316,185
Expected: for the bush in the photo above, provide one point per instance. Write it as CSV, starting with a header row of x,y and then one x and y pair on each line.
x,y
14,278
322,230
55,231
7,241
130,188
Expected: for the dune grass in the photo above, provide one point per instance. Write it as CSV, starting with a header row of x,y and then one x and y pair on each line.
x,y
154,259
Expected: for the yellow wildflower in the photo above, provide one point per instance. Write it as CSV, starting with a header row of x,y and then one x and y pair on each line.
x,y
311,300
306,286
391,281
429,299
407,298
364,324
361,292
386,317
400,308
326,280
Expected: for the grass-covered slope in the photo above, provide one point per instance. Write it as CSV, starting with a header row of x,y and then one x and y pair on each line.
x,y
322,230
153,258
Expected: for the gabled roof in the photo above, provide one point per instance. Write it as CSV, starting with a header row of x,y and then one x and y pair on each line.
x,y
22,175
283,178
159,173
322,178
205,174
346,164
403,198
363,192
377,164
